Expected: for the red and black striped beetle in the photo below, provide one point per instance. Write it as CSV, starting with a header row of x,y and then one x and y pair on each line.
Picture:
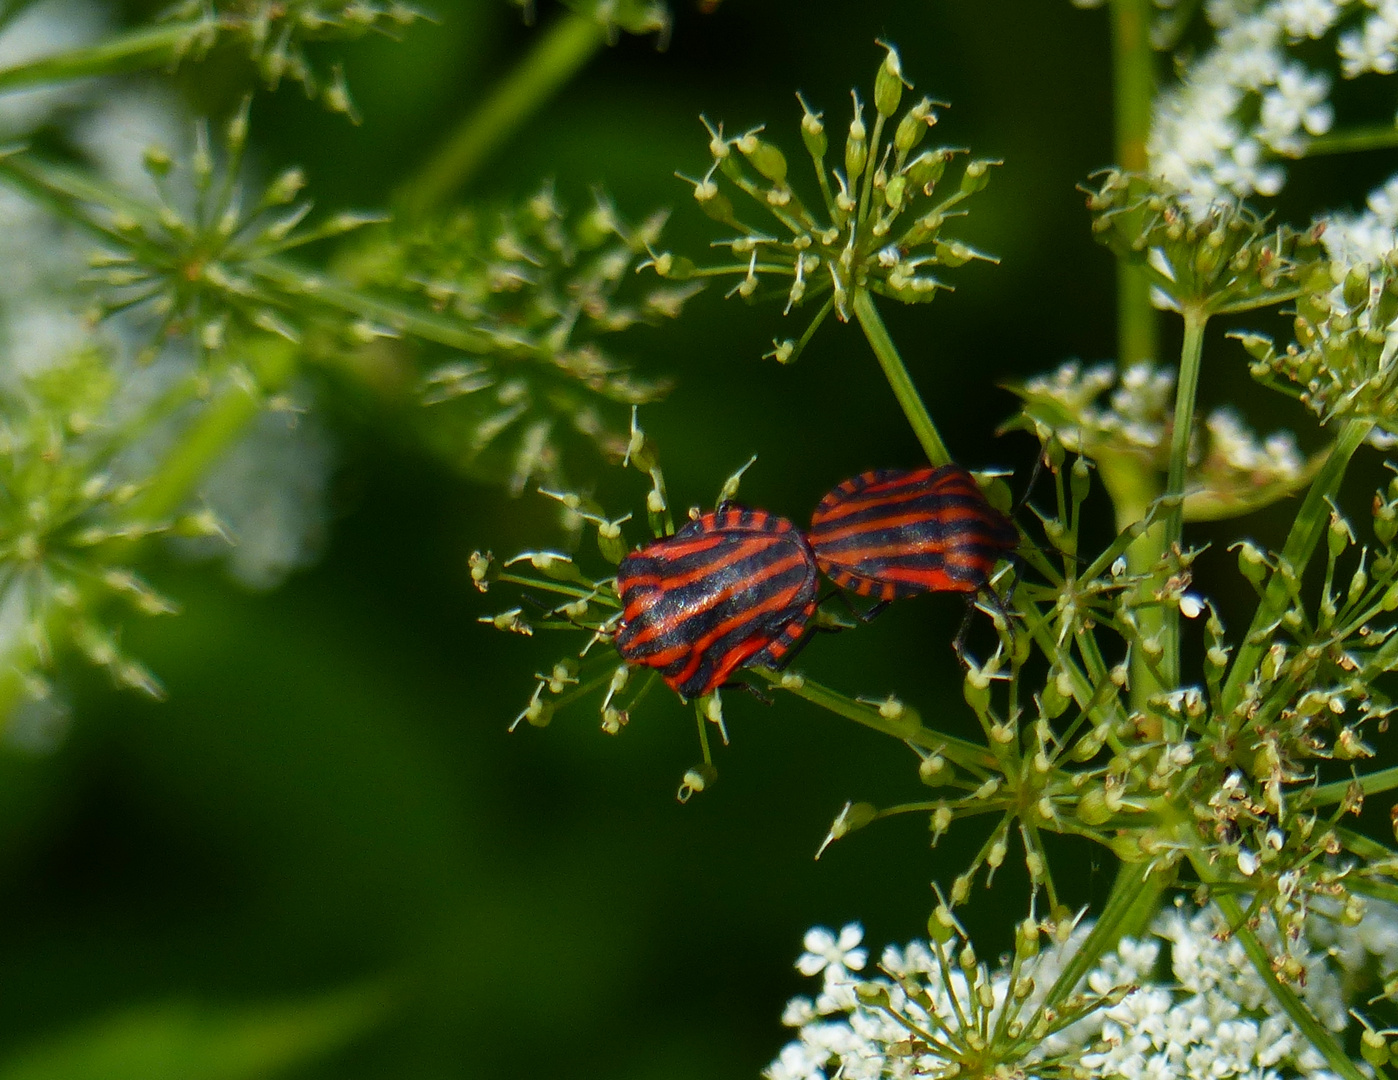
x,y
891,533
733,587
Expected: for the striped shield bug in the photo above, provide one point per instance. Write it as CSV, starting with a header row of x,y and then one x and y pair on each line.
x,y
733,587
891,533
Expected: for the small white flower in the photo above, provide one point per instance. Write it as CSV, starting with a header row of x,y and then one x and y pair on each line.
x,y
1191,606
834,955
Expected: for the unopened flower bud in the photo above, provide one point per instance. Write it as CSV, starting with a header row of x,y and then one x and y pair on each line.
x,y
888,83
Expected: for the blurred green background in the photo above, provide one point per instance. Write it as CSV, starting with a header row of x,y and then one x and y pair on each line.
x,y
329,802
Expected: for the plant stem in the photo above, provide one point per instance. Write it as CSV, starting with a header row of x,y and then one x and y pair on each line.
x,y
134,51
223,422
1186,393
908,728
1376,137
898,378
555,58
1306,532
1133,89
1295,1008
1374,783
1136,888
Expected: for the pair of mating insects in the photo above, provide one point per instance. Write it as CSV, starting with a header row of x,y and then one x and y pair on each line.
x,y
737,587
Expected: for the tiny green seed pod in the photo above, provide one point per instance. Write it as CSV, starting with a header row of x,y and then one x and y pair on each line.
x,y
976,176
1373,1047
1338,537
764,157
813,131
610,542
888,83
1092,808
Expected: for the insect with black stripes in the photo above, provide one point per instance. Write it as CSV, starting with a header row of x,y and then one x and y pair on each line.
x,y
733,588
892,533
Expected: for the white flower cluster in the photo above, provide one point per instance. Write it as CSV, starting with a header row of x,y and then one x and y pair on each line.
x,y
1242,103
1138,415
1210,1017
1366,238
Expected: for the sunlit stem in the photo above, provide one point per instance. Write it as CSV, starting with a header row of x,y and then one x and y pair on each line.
x,y
1186,393
555,58
898,378
1306,532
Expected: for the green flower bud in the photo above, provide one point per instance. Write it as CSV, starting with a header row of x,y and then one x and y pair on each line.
x,y
927,168
764,157
976,176
1092,808
812,131
894,192
1338,537
1080,479
933,769
856,146
888,83
1251,562
1373,1048
912,129
610,541
941,924
1356,286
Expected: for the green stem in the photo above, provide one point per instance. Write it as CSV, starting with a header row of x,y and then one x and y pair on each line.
x,y
134,51
1306,532
208,438
898,378
909,727
1135,893
556,57
1284,996
1377,137
1374,783
1186,393
1133,90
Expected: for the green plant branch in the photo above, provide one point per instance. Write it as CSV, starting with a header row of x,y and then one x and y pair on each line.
x,y
1295,1008
555,58
1374,783
899,379
1186,394
136,50
1306,532
1133,91
909,727
1375,137
221,425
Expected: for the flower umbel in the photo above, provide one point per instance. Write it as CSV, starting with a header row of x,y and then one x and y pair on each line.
x,y
878,226
542,294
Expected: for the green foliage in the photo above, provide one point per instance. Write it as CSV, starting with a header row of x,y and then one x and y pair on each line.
x,y
865,238
543,294
183,1041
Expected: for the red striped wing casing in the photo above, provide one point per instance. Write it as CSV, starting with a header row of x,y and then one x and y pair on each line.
x,y
733,587
890,533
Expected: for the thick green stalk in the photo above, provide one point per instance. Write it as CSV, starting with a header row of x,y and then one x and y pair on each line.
x,y
557,56
1186,394
898,378
1133,90
150,47
1306,532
